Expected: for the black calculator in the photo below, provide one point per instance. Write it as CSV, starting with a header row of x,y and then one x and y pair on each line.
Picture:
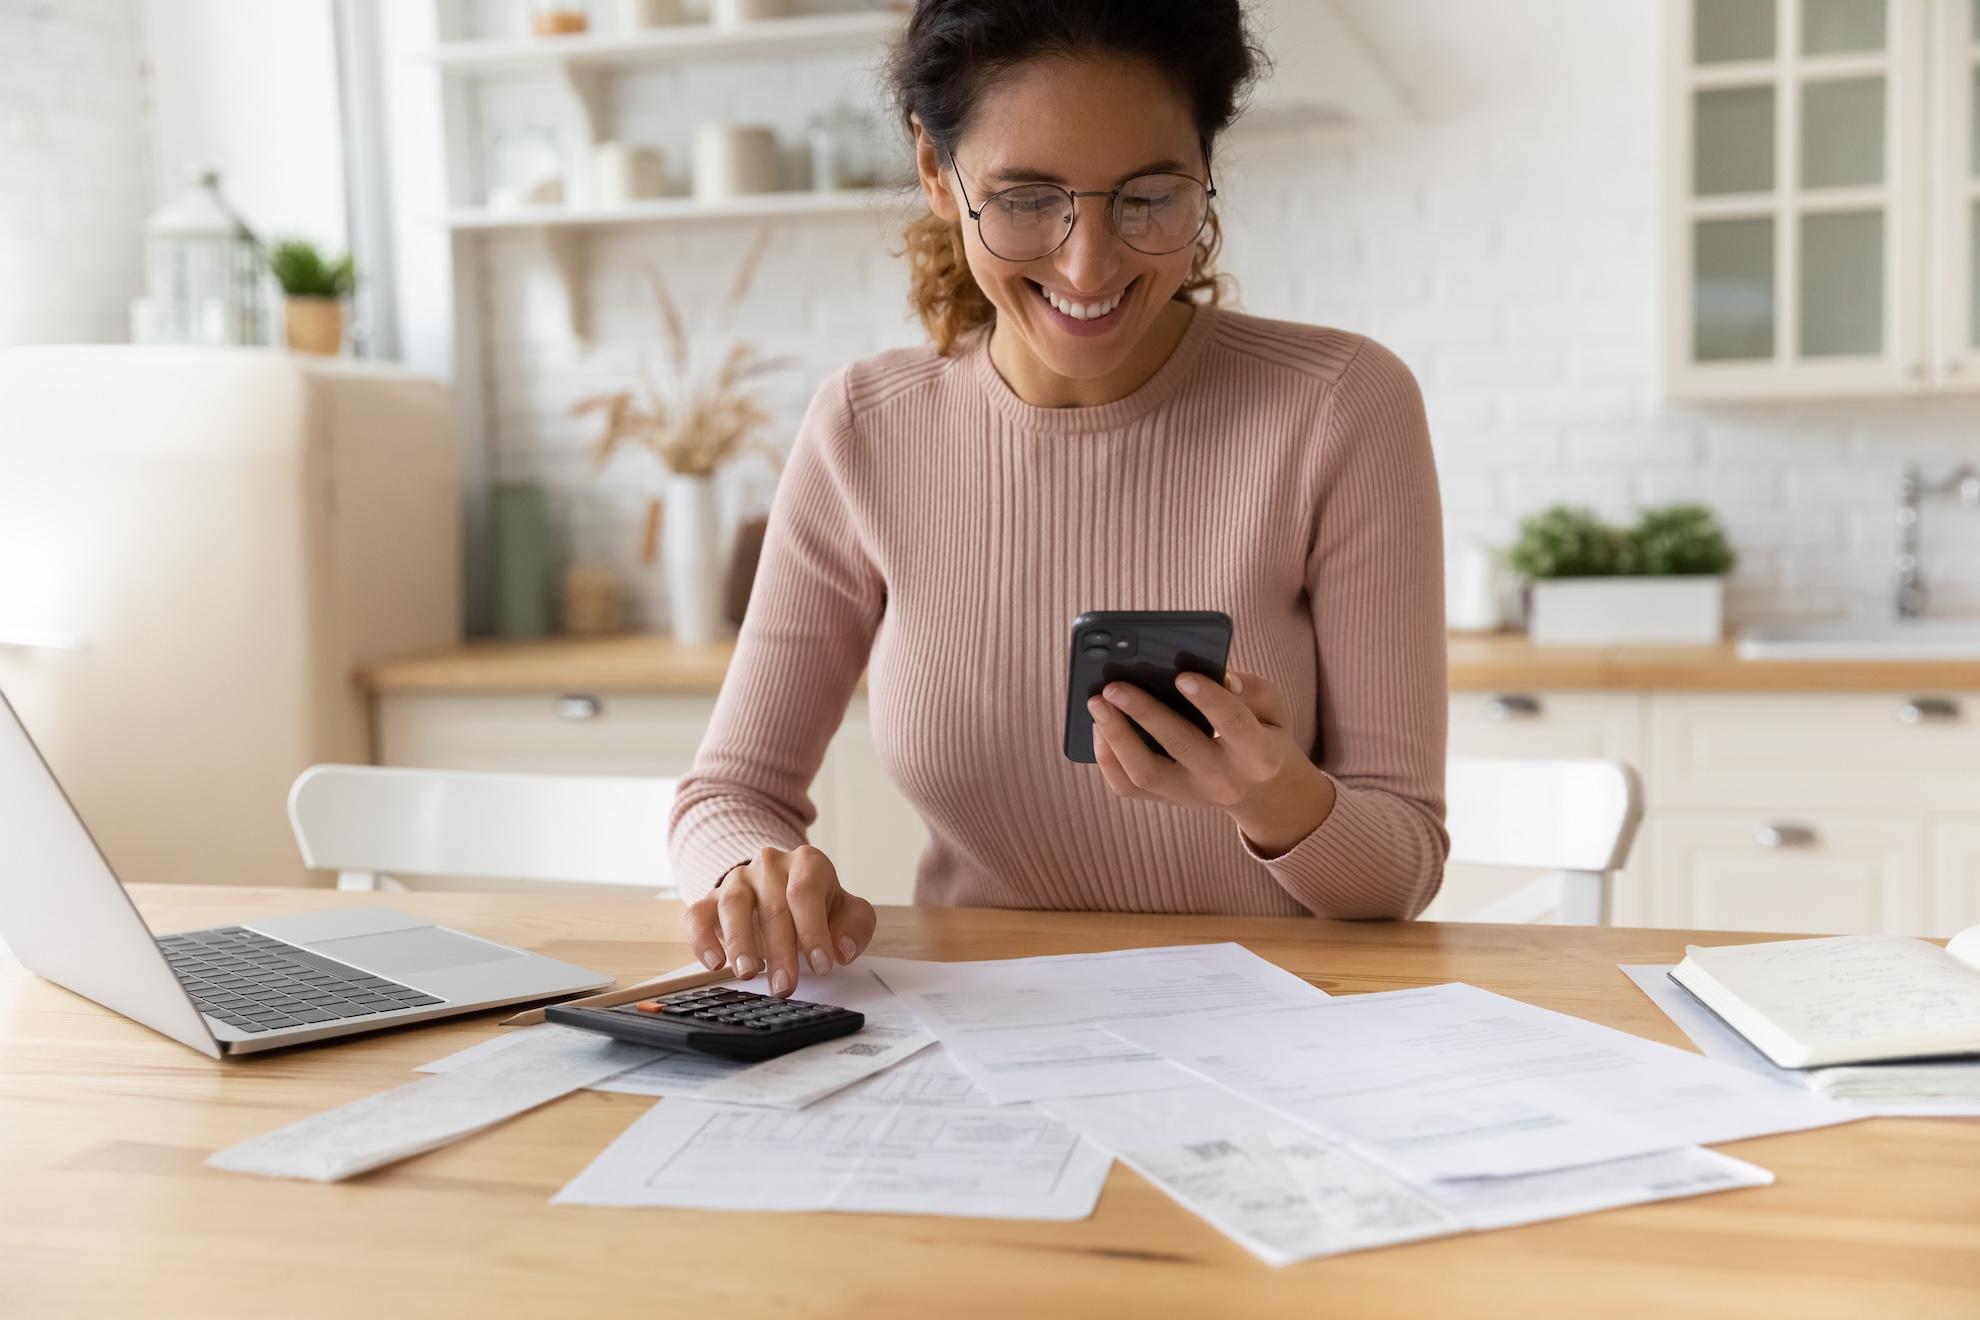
x,y
733,1024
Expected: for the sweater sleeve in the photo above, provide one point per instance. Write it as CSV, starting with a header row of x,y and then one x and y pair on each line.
x,y
1374,578
813,611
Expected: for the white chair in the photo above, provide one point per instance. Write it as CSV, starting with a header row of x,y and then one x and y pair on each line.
x,y
1575,820
376,824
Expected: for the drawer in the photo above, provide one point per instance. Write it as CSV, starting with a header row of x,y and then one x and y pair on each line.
x,y
1903,752
1815,873
1529,724
543,733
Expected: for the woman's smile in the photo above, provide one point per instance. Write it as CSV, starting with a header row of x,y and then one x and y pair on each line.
x,y
1084,315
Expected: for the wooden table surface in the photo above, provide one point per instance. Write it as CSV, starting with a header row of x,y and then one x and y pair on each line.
x,y
107,1209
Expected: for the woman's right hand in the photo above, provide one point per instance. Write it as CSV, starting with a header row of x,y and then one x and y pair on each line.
x,y
775,910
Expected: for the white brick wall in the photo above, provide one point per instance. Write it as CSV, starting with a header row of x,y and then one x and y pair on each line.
x,y
73,178
1503,241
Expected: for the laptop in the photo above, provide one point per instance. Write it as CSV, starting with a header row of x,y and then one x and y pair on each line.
x,y
254,985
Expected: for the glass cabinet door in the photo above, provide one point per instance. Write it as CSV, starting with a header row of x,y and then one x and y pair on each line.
x,y
1959,110
1799,220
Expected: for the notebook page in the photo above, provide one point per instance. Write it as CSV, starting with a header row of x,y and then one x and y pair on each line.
x,y
1965,946
1873,990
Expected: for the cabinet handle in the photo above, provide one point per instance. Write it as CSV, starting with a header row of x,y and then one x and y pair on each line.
x,y
1782,835
1513,706
576,708
1928,710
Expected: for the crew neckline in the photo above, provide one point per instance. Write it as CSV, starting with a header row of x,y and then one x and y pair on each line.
x,y
1149,395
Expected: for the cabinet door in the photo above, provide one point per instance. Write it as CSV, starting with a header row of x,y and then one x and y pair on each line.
x,y
1795,219
1534,726
1806,874
1955,876
1957,252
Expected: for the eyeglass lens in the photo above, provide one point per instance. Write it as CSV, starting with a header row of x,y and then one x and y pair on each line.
x,y
1154,214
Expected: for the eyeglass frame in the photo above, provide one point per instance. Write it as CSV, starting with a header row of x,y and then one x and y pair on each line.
x,y
1207,183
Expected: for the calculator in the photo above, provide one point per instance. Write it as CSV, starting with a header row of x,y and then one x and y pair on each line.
x,y
733,1024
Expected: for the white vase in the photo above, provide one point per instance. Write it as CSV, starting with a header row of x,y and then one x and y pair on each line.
x,y
1606,611
691,557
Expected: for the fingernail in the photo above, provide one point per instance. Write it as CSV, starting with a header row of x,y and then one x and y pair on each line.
x,y
780,984
820,962
1188,684
1234,683
745,967
847,949
1100,710
710,959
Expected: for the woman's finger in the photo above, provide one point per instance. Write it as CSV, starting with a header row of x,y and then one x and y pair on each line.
x,y
1115,777
1253,748
704,932
1261,694
1188,746
813,883
1142,766
773,921
735,905
853,923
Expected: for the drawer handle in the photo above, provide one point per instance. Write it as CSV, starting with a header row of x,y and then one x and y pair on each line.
x,y
577,708
1782,835
1928,710
1513,706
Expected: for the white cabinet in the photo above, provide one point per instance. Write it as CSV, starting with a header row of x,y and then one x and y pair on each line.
x,y
1819,194
1818,873
1955,852
864,824
1532,725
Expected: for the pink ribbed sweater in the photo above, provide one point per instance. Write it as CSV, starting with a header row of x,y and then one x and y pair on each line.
x,y
938,531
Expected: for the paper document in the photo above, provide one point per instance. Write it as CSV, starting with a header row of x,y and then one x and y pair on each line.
x,y
876,1149
431,1112
1286,1193
789,1081
1885,1089
1029,1028
1451,1081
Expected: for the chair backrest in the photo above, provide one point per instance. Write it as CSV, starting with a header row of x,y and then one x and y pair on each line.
x,y
470,823
1553,815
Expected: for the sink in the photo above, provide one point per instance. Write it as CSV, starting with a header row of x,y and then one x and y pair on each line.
x,y
1935,639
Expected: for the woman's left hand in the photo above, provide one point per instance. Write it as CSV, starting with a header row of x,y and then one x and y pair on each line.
x,y
1251,769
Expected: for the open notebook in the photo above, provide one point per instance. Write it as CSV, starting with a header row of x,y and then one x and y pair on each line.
x,y
1843,999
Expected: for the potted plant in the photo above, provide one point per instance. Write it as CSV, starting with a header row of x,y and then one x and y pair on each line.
x,y
694,421
313,290
1661,581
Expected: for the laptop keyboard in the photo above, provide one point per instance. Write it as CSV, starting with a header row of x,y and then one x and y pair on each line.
x,y
250,981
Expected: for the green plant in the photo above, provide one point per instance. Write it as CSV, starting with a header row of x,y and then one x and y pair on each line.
x,y
1681,539
1678,540
1566,542
304,272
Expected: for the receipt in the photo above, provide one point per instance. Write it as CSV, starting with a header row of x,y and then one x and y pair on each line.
x,y
433,1111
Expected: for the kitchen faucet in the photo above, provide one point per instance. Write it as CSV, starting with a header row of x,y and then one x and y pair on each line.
x,y
1913,489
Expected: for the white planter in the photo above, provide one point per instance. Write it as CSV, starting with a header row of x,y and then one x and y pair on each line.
x,y
691,555
1607,610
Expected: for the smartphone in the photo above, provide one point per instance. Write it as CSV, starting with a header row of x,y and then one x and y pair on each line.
x,y
1147,648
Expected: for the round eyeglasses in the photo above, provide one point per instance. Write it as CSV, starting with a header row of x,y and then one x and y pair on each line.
x,y
1154,214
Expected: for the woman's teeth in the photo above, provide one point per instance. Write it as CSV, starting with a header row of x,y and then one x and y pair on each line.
x,y
1083,311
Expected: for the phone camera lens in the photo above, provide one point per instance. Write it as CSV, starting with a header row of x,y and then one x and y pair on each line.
x,y
1099,638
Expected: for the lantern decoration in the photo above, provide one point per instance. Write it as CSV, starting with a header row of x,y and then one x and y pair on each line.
x,y
204,270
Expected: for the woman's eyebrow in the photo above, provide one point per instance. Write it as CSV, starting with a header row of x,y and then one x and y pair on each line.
x,y
1019,174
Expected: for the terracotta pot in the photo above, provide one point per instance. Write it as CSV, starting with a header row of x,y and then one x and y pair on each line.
x,y
314,325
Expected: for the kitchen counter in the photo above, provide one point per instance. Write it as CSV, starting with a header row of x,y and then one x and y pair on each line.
x,y
1479,662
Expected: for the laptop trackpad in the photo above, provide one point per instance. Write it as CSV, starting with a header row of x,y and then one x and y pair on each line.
x,y
407,952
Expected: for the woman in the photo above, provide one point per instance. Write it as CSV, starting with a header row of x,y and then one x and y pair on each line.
x,y
1083,433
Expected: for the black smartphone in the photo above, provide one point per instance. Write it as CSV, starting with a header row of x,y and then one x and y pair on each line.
x,y
1147,648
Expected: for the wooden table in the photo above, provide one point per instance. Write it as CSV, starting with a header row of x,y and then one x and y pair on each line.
x,y
106,1208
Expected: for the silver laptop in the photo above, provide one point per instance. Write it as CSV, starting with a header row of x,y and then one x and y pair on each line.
x,y
256,985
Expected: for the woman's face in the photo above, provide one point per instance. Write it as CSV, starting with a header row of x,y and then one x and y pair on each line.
x,y
1088,125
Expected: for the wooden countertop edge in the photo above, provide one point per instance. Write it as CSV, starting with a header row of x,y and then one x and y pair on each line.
x,y
1478,663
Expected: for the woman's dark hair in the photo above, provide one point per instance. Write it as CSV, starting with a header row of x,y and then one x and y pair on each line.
x,y
953,50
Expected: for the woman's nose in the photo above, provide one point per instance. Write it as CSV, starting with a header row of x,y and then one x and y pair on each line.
x,y
1091,254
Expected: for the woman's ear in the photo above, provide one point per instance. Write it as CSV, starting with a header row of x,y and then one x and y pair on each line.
x,y
933,173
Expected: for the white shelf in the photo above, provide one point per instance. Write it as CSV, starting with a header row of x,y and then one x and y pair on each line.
x,y
668,210
682,41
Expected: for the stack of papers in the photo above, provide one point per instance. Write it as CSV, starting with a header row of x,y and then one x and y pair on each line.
x,y
1885,1089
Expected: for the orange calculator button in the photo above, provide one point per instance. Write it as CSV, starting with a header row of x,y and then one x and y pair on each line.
x,y
651,1006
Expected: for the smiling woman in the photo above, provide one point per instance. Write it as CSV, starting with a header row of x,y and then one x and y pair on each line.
x,y
1088,429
